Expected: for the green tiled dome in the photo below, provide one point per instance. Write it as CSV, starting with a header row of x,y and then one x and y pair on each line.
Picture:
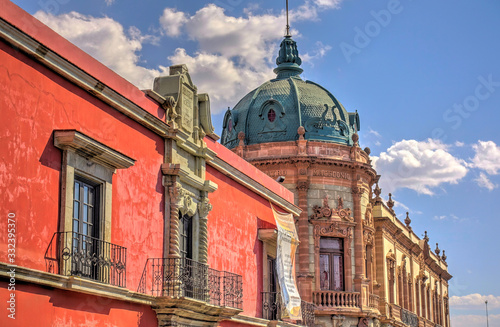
x,y
275,110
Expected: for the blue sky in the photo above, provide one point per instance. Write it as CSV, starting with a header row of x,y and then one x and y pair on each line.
x,y
423,75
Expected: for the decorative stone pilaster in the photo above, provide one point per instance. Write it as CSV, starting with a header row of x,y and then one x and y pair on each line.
x,y
204,207
175,192
304,276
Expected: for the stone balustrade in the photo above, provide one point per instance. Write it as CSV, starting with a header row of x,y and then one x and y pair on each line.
x,y
336,299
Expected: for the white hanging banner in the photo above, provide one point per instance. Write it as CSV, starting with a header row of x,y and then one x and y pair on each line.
x,y
287,244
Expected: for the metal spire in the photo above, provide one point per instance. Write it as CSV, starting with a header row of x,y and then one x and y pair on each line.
x,y
287,23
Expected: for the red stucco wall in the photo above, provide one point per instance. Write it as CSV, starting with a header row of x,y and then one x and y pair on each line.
x,y
36,306
34,102
233,245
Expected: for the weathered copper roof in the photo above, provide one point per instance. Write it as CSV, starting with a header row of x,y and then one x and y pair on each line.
x,y
274,111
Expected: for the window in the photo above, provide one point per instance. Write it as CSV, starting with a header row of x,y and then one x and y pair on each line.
x,y
87,173
331,262
85,227
271,115
186,233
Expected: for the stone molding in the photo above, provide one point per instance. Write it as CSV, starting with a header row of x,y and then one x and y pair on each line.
x,y
91,149
75,284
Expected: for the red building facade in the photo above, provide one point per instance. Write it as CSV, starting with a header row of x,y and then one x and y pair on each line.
x,y
120,208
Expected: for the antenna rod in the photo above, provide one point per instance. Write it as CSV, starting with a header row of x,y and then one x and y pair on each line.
x,y
287,25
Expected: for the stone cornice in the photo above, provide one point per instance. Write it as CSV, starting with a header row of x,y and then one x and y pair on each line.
x,y
253,185
75,284
389,228
91,149
313,160
78,76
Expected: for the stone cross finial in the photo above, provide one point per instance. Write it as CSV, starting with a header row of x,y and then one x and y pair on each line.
x,y
426,238
444,257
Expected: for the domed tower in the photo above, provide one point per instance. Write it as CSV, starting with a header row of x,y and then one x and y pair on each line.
x,y
293,128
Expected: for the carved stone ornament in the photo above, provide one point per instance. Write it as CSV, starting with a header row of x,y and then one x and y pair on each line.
x,y
368,216
325,212
331,230
363,322
204,207
338,320
303,185
368,237
185,202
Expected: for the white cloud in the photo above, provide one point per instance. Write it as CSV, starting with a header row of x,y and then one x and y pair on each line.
x,y
474,320
213,72
328,3
474,301
459,144
374,133
487,157
109,2
483,181
418,165
226,64
105,39
172,21
319,52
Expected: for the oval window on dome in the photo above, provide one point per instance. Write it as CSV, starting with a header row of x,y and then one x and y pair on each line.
x,y
230,125
271,115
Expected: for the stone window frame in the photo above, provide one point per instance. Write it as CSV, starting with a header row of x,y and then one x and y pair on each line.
x,y
90,159
269,239
337,229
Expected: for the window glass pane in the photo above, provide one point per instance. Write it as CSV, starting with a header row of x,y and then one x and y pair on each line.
x,y
75,226
324,269
91,196
85,213
85,229
76,210
331,243
85,194
338,278
77,191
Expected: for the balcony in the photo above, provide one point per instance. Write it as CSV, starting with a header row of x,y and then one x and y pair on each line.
x,y
182,277
272,307
326,300
373,301
74,254
409,318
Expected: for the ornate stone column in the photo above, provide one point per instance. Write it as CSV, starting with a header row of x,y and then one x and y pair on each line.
x,y
175,192
204,207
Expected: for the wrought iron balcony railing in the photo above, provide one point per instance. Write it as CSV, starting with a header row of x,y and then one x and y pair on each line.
x,y
182,277
409,318
75,254
272,307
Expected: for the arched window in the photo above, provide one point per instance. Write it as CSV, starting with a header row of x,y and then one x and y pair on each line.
x,y
271,115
